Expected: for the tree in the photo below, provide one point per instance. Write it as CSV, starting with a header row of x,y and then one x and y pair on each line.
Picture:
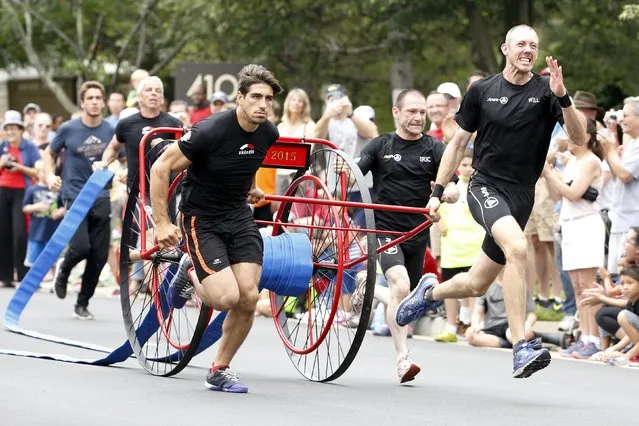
x,y
81,37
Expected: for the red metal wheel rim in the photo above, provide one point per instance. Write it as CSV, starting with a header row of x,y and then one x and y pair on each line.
x,y
276,311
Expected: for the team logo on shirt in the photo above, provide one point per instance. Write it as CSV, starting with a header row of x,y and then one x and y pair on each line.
x,y
396,157
503,100
186,137
247,149
146,129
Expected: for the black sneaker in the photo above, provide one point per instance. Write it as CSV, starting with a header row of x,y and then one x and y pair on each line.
x,y
225,380
82,313
60,286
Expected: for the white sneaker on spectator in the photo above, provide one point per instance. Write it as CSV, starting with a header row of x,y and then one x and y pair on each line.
x,y
566,323
407,369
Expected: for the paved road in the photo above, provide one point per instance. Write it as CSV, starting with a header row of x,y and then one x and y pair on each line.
x,y
459,385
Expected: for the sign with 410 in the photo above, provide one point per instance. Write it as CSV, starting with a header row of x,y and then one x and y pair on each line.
x,y
212,77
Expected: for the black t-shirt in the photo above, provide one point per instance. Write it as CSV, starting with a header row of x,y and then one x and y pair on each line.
x,y
130,131
514,125
402,172
633,307
224,159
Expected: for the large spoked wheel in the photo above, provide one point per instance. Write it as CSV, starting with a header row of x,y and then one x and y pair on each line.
x,y
320,331
163,339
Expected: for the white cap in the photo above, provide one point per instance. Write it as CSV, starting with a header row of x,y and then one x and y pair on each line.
x,y
365,111
449,88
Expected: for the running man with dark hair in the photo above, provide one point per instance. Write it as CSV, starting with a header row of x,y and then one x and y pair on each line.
x,y
514,114
221,153
82,142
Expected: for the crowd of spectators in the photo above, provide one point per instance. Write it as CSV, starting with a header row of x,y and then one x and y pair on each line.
x,y
583,234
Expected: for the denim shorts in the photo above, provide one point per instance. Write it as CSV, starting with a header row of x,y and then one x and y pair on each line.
x,y
34,248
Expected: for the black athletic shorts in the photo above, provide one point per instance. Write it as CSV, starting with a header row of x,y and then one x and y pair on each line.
x,y
214,244
490,199
449,273
499,330
409,254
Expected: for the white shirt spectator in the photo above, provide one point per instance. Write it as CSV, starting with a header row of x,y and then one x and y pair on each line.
x,y
625,209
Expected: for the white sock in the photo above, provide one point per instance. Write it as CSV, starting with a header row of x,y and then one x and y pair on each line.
x,y
464,315
596,340
584,339
451,328
542,298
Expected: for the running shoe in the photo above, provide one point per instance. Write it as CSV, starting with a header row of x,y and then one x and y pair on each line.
x,y
181,289
585,352
81,312
446,337
572,349
415,304
225,380
407,369
385,331
382,330
61,282
558,305
357,298
529,357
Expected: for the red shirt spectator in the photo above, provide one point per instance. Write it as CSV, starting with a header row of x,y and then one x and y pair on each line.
x,y
10,178
201,107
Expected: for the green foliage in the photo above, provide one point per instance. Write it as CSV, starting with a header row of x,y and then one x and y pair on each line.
x,y
311,43
630,11
597,49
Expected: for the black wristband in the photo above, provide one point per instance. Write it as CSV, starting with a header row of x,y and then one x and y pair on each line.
x,y
565,101
438,191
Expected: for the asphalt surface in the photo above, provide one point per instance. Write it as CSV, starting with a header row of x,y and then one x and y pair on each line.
x,y
459,385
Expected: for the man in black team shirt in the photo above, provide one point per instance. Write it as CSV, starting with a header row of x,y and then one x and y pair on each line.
x,y
403,163
222,154
130,130
514,114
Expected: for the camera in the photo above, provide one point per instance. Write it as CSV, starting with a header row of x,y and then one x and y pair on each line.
x,y
591,193
11,162
613,115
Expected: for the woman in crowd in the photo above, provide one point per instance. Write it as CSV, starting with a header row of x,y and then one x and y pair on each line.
x,y
17,168
297,123
582,230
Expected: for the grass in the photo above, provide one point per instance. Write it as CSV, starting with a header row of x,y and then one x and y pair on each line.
x,y
548,314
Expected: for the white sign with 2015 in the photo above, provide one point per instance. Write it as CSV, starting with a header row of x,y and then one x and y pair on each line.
x,y
213,77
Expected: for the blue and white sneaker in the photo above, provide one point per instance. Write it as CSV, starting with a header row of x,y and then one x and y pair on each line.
x,y
415,304
225,380
181,288
528,358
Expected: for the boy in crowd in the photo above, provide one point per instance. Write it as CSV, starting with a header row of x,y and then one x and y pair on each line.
x,y
628,320
461,239
491,311
46,210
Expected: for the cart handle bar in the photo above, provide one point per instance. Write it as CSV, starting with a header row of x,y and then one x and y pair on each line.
x,y
341,203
